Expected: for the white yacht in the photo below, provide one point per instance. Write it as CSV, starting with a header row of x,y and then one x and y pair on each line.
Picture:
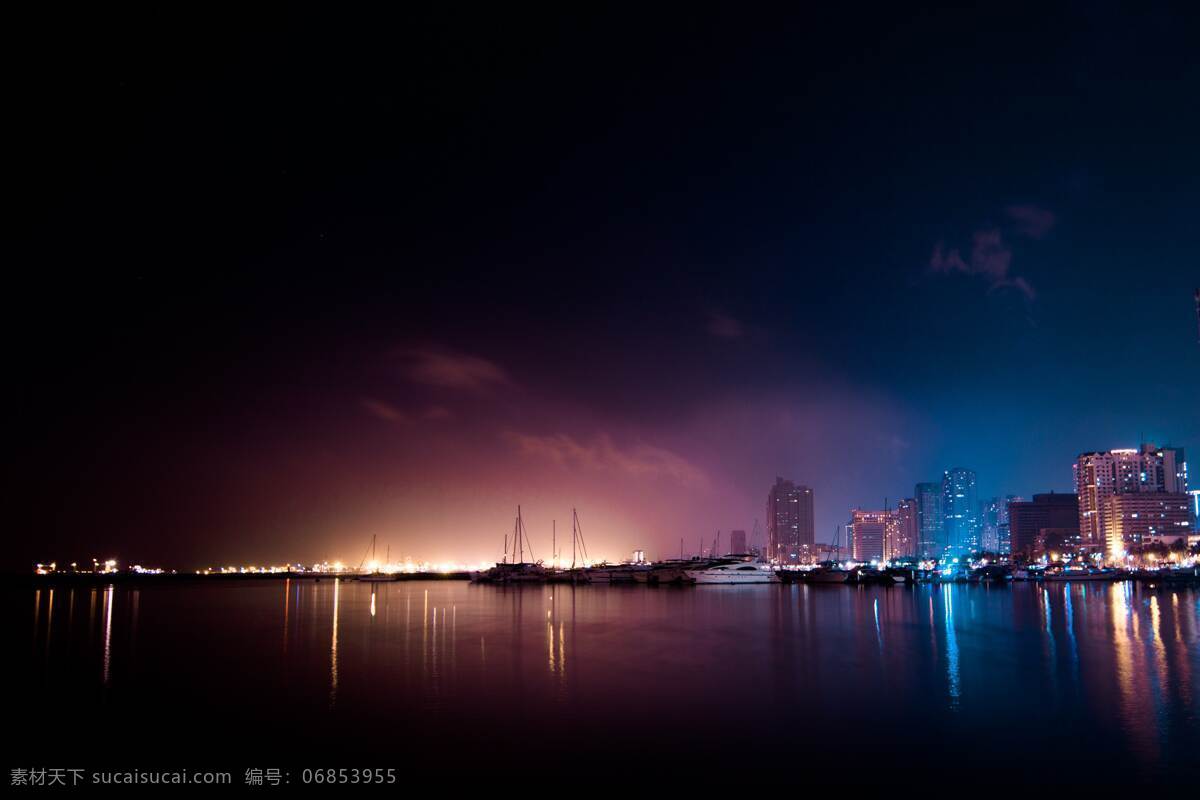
x,y
737,572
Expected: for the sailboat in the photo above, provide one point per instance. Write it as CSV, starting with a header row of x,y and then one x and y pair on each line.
x,y
518,570
375,573
829,571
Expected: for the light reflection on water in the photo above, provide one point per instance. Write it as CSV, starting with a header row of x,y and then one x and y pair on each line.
x,y
1084,671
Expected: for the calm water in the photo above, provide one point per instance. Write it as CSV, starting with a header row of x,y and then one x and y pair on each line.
x,y
1056,683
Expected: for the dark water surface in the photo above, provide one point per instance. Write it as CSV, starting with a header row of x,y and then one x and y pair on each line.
x,y
1063,683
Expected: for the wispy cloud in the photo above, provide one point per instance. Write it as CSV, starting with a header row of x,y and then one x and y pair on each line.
x,y
451,370
603,454
384,411
723,326
387,412
1032,221
990,259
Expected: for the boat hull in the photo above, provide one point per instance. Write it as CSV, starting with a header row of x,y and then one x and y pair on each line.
x,y
830,576
729,577
1088,577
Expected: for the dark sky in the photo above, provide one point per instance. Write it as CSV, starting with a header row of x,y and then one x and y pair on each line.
x,y
286,279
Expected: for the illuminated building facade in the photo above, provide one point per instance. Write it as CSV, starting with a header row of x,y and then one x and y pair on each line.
x,y
904,543
1032,522
960,510
930,534
1100,475
870,532
1138,518
790,527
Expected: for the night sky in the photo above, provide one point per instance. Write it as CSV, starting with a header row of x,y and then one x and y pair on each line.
x,y
285,279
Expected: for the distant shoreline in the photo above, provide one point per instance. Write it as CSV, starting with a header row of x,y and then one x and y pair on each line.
x,y
90,579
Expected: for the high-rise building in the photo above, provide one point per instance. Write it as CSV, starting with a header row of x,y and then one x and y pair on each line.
x,y
869,532
960,510
905,543
737,542
930,533
993,524
1029,520
1004,527
989,524
1136,518
790,530
1099,475
1175,469
1004,539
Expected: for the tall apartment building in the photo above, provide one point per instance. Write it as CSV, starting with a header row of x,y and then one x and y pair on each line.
x,y
790,527
869,533
1138,518
882,535
905,543
737,542
1100,475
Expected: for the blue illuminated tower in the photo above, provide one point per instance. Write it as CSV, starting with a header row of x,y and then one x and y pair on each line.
x,y
960,510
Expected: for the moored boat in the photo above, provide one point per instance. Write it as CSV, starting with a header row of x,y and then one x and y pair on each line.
x,y
735,572
827,575
1081,573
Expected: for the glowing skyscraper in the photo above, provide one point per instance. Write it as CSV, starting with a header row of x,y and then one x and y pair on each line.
x,y
960,510
790,529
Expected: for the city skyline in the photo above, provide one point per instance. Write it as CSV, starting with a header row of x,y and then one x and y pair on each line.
x,y
1159,476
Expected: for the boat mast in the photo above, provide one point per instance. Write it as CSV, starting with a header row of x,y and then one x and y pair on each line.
x,y
520,536
577,535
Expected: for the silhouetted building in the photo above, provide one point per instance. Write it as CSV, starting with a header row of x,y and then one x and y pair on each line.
x,y
960,510
790,531
1058,513
737,542
1136,518
930,534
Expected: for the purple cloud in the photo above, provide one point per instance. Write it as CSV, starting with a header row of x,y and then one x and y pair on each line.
x,y
1032,221
637,461
384,411
450,370
723,326
990,259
